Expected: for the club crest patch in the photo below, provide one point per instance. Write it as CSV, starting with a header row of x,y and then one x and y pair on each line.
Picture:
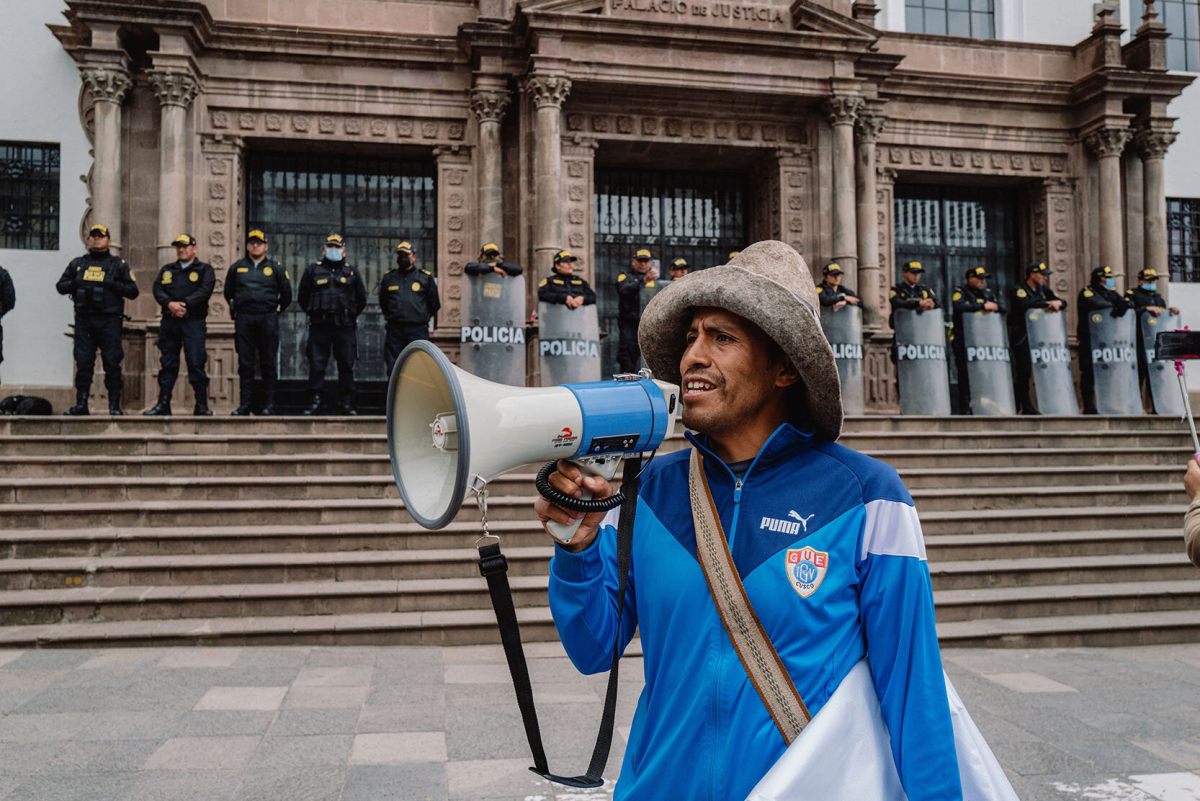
x,y
806,569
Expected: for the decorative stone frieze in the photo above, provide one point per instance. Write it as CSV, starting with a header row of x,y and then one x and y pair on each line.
x,y
453,175
489,105
107,83
936,159
173,87
303,125
693,129
579,156
548,90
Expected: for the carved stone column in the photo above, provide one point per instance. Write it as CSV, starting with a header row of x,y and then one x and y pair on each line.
x,y
867,130
548,93
489,106
1152,146
842,112
108,85
1107,144
175,89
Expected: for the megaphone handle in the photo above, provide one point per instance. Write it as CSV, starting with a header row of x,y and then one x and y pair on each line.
x,y
605,468
564,533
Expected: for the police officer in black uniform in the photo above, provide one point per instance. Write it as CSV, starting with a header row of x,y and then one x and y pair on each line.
x,y
408,299
679,268
8,299
1032,293
332,294
830,291
909,294
100,283
257,290
564,286
629,309
1099,295
972,298
182,288
1146,299
490,261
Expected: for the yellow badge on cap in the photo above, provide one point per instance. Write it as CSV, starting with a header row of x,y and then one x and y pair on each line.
x,y
268,271
167,277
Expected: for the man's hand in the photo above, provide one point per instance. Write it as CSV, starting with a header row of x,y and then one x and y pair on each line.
x,y
838,306
570,481
1155,310
574,301
653,274
991,307
498,270
927,304
1191,479
852,301
177,308
1174,310
1054,305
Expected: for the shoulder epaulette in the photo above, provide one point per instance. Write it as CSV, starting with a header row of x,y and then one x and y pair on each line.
x,y
543,282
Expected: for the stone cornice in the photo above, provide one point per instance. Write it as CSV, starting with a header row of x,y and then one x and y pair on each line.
x,y
173,87
1153,144
843,109
1107,141
548,90
489,105
108,83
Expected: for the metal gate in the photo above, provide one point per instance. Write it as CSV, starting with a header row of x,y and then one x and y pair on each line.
x,y
698,216
298,200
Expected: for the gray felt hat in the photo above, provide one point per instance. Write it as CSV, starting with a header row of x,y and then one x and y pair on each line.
x,y
769,284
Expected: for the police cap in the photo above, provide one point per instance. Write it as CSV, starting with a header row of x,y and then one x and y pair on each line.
x,y
680,264
490,249
335,239
1102,272
1038,267
563,255
404,247
642,255
1148,272
833,268
978,272
98,230
183,240
256,236
913,267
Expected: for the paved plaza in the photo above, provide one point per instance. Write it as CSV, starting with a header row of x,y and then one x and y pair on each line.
x,y
380,723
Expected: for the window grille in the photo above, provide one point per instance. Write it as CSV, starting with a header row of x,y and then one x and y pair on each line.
x,y
1183,239
29,201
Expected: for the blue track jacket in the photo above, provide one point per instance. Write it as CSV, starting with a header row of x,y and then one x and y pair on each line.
x,y
829,548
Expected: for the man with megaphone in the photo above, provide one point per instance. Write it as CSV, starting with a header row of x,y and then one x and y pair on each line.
x,y
768,562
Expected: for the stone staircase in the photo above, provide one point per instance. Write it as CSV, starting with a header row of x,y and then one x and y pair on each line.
x,y
137,531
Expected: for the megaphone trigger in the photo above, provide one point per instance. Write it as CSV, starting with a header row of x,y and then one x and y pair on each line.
x,y
604,467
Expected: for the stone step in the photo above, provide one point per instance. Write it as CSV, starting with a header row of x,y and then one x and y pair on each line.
x,y
1041,571
1029,458
1074,631
1113,543
1068,599
1078,518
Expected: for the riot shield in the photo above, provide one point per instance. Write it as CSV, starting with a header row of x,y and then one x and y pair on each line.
x,y
921,362
843,329
568,344
652,288
989,371
1114,363
1160,375
493,328
1051,362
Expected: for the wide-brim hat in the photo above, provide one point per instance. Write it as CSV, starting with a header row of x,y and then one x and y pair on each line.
x,y
770,285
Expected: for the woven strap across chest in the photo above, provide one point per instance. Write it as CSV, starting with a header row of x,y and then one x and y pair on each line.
x,y
750,640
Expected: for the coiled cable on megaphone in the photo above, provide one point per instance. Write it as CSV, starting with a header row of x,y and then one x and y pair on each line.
x,y
564,501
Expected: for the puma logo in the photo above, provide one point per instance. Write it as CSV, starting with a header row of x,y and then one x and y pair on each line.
x,y
787,526
803,520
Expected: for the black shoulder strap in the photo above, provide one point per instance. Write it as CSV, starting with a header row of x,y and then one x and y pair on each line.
x,y
494,567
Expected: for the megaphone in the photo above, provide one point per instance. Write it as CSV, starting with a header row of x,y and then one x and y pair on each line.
x,y
450,431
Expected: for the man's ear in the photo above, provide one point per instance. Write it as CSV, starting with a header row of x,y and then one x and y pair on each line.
x,y
788,375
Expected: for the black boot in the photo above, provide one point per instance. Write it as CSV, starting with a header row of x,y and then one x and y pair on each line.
x,y
162,408
81,406
243,410
348,405
315,406
114,408
201,409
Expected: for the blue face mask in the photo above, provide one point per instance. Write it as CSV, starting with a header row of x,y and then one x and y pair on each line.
x,y
1150,287
1110,283
333,254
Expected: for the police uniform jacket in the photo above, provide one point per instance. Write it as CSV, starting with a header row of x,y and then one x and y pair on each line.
x,y
332,292
262,288
1140,299
1025,298
629,302
557,288
903,296
409,297
486,266
99,283
193,285
830,295
8,294
966,299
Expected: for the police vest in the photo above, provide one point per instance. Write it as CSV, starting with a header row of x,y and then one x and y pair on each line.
x,y
332,297
256,286
95,275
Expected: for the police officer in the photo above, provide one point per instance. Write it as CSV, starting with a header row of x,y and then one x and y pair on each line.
x,y
8,299
408,299
629,309
490,261
678,269
1099,295
1032,293
564,286
332,294
257,290
182,288
831,292
1146,299
100,283
909,294
972,298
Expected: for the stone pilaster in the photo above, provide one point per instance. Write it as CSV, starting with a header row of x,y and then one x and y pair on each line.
x,y
842,111
175,89
548,92
454,250
1106,145
1152,146
489,106
1056,238
579,159
867,130
108,84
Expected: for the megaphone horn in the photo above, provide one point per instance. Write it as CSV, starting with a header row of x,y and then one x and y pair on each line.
x,y
448,430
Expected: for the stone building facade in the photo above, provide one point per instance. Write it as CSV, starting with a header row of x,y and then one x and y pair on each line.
x,y
549,124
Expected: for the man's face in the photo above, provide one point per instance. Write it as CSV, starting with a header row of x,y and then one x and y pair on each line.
x,y
834,279
565,267
641,265
185,252
257,248
98,242
731,370
406,260
975,282
678,272
912,277
1037,279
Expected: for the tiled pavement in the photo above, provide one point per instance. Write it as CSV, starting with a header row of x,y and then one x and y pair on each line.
x,y
441,723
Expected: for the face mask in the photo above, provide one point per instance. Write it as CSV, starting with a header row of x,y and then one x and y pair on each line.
x,y
333,254
1109,283
403,260
1150,287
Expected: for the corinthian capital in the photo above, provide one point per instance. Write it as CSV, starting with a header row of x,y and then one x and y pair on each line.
x,y
173,87
489,105
843,109
868,127
108,83
1108,141
548,90
1153,144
